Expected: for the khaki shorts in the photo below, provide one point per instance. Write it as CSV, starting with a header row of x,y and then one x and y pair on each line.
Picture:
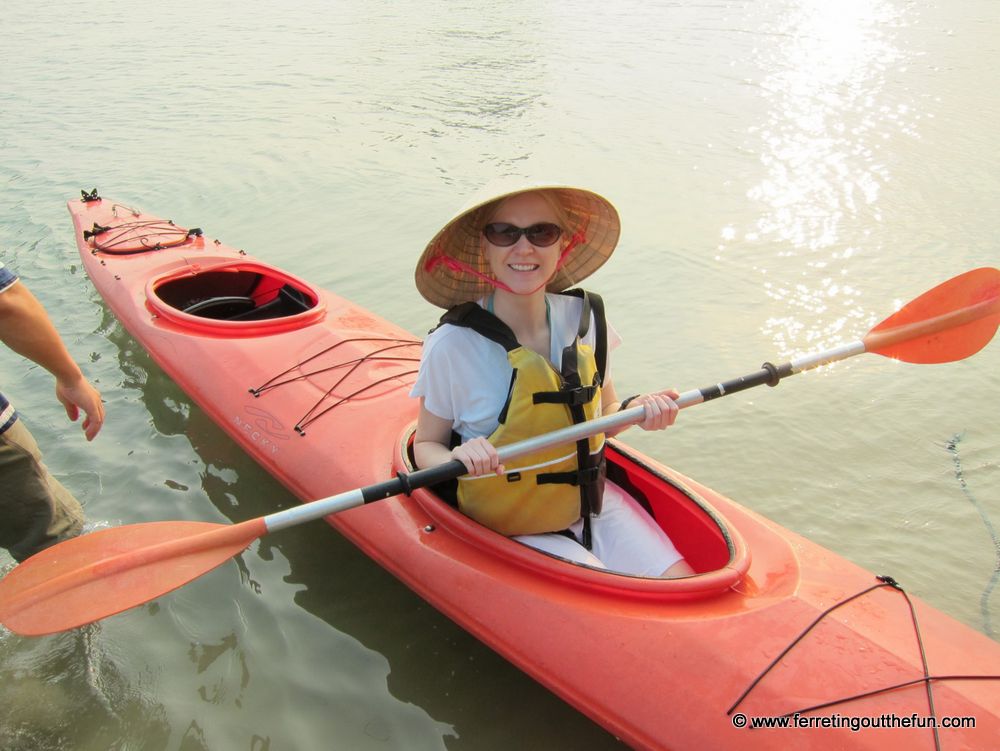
x,y
36,511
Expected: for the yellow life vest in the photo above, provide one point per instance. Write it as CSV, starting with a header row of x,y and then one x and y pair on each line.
x,y
548,490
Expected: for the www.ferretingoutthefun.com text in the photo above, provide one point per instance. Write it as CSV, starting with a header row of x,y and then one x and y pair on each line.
x,y
855,724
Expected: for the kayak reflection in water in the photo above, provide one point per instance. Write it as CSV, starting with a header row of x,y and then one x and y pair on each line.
x,y
516,355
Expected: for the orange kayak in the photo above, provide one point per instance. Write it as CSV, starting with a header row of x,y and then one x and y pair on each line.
x,y
775,643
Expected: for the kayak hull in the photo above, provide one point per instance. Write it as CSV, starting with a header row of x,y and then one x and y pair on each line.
x,y
315,388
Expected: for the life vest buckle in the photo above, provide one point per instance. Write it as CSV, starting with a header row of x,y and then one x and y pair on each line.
x,y
586,476
573,397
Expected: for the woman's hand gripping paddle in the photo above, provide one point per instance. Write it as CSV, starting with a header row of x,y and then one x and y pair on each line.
x,y
97,575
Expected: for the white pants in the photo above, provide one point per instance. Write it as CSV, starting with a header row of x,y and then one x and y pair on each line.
x,y
625,539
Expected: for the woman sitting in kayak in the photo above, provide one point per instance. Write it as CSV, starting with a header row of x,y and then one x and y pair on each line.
x,y
515,356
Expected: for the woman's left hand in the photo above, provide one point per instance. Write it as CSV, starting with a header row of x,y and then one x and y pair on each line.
x,y
660,407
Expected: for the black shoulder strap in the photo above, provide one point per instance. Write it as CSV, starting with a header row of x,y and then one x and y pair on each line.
x,y
593,302
471,316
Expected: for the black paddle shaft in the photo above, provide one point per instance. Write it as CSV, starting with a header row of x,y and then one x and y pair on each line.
x,y
407,483
768,375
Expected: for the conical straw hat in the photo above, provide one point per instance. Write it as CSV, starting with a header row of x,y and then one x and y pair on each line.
x,y
445,283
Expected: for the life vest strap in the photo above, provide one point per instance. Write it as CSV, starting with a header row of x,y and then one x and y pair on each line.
x,y
586,476
573,396
484,323
594,302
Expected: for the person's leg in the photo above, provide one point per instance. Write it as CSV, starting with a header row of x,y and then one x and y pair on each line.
x,y
629,540
37,511
562,546
680,569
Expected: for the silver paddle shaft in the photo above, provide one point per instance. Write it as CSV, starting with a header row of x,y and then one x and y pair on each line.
x,y
403,483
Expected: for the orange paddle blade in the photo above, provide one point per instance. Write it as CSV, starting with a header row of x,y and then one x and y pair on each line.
x,y
99,574
953,321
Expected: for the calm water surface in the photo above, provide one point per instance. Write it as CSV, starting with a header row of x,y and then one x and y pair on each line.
x,y
788,171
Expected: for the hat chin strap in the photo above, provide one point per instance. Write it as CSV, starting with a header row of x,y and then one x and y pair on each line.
x,y
453,264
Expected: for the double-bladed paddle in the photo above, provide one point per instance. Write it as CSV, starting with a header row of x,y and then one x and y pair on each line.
x,y
105,572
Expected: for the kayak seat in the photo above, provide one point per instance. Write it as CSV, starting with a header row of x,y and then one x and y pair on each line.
x,y
224,307
621,478
287,302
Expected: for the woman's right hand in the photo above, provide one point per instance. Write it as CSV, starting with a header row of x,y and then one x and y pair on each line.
x,y
479,457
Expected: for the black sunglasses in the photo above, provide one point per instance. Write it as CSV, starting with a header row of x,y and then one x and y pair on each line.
x,y
503,235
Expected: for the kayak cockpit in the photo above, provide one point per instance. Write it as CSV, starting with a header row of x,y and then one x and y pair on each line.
x,y
242,298
696,528
714,548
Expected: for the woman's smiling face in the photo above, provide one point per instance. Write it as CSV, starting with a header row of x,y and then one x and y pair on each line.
x,y
522,267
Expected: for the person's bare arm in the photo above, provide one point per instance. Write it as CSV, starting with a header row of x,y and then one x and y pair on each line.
x,y
430,447
26,328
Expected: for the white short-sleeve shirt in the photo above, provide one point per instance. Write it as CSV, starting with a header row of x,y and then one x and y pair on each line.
x,y
464,377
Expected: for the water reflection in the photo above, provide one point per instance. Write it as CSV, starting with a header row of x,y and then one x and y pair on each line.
x,y
66,692
451,80
826,142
